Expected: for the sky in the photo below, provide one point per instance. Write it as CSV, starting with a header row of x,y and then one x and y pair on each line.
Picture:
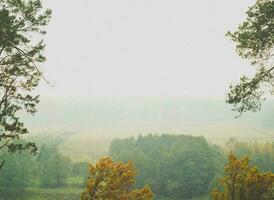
x,y
142,48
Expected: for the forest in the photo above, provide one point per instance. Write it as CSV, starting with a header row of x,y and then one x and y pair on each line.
x,y
173,166
140,100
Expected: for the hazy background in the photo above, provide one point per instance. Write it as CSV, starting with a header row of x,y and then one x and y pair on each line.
x,y
142,48
130,67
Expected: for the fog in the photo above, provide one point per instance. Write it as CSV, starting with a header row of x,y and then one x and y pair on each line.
x,y
144,48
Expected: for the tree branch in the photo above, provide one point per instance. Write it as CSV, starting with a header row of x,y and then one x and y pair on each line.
x,y
26,56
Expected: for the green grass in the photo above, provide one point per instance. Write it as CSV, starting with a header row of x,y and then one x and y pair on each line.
x,y
72,191
46,194
85,147
75,182
206,197
68,193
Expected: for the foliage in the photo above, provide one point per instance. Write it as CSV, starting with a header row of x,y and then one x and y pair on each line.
x,y
243,182
54,168
260,154
16,174
255,41
20,20
109,180
80,169
173,166
49,168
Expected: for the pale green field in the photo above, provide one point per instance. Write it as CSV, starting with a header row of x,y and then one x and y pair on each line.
x,y
90,146
62,194
198,198
46,194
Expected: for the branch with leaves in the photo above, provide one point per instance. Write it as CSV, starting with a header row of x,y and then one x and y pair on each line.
x,y
254,41
20,57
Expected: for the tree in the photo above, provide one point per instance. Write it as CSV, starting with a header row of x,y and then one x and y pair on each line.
x,y
80,169
255,41
243,182
20,20
109,180
260,154
174,166
54,168
17,173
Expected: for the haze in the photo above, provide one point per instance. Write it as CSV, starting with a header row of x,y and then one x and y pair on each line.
x,y
128,67
142,48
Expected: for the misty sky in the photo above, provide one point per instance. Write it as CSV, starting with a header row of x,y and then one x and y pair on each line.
x,y
142,48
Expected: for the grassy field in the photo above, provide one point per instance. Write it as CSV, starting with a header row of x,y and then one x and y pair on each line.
x,y
62,194
46,194
86,147
197,198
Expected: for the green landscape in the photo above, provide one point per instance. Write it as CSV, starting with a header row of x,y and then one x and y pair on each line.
x,y
159,160
136,100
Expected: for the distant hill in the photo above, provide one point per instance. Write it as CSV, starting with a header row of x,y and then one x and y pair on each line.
x,y
88,126
68,115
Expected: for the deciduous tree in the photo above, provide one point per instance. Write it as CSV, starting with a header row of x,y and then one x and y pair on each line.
x,y
53,167
111,181
243,182
16,173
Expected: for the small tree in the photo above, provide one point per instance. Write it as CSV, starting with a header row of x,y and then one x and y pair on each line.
x,y
112,181
54,168
243,182
20,20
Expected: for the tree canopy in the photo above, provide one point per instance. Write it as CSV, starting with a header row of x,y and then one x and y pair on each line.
x,y
254,41
53,167
16,174
20,54
243,182
109,180
174,166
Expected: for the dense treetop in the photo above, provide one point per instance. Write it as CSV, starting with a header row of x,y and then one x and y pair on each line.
x,y
243,182
173,165
109,180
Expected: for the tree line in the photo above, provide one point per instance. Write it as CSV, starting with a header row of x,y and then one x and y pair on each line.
x,y
184,167
168,166
172,165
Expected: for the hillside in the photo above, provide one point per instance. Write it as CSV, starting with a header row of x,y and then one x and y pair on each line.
x,y
89,126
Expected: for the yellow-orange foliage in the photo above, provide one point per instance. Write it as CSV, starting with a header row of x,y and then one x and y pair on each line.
x,y
243,182
113,181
